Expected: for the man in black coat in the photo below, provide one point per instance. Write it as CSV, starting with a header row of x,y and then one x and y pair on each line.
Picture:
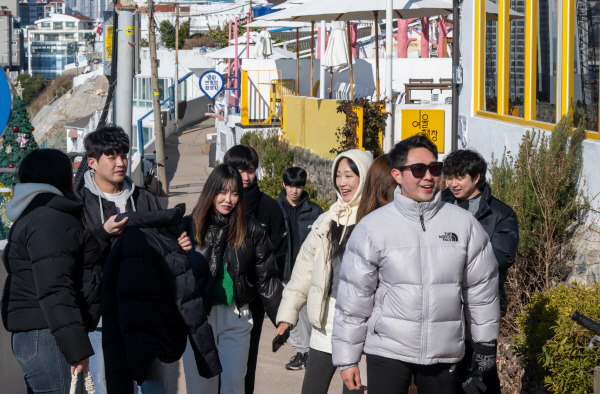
x,y
465,172
107,192
268,213
299,214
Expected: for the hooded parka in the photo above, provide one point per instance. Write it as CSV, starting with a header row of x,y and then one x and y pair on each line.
x,y
311,276
53,267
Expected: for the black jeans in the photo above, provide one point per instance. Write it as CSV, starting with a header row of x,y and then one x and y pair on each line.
x,y
389,376
319,372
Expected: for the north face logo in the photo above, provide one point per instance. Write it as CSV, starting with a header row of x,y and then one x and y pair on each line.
x,y
450,237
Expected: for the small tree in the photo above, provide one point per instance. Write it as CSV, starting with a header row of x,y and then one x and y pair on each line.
x,y
17,142
167,34
541,185
374,121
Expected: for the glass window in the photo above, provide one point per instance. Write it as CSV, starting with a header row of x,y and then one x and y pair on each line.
x,y
516,74
70,36
135,93
45,24
587,30
545,107
57,26
69,24
491,71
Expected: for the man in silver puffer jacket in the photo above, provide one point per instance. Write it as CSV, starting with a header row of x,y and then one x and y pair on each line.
x,y
414,274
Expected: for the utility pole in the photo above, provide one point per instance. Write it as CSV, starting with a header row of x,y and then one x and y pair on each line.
x,y
176,87
125,50
159,136
250,12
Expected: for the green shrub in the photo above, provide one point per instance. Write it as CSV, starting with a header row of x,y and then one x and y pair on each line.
x,y
554,343
274,154
374,121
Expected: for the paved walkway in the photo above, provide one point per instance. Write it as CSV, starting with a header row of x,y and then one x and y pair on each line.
x,y
187,170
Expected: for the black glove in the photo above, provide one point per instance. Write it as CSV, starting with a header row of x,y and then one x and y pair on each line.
x,y
483,361
473,385
484,357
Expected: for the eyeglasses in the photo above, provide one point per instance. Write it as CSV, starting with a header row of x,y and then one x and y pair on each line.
x,y
419,170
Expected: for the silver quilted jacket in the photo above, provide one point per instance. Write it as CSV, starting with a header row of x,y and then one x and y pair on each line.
x,y
412,276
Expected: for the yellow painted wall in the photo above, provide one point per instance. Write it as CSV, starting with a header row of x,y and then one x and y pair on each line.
x,y
312,123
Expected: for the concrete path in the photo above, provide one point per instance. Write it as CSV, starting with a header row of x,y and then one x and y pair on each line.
x,y
187,170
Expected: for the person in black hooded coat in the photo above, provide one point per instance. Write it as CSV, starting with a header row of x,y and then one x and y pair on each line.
x,y
51,297
232,258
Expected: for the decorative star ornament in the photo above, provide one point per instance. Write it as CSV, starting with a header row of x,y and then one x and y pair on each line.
x,y
22,140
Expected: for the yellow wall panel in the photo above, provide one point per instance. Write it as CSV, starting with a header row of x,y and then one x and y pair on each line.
x,y
312,123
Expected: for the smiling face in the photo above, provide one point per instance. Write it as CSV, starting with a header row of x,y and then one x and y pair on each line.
x,y
110,171
346,181
417,189
226,200
463,187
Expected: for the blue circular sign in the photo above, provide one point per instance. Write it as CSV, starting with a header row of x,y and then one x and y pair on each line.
x,y
76,64
211,83
5,101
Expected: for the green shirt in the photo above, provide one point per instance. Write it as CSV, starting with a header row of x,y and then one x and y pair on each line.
x,y
223,290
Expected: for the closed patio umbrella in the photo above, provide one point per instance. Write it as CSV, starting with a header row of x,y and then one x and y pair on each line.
x,y
336,57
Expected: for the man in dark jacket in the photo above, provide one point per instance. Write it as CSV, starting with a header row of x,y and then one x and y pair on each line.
x,y
299,214
465,176
268,213
108,191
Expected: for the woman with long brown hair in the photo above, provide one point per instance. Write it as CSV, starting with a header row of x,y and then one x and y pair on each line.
x,y
379,187
232,259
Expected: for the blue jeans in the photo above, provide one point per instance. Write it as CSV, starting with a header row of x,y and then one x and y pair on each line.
x,y
155,382
45,367
97,361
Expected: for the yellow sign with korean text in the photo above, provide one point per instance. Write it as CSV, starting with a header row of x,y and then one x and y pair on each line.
x,y
129,31
431,122
108,39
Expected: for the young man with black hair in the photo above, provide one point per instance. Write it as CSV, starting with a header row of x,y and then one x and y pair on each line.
x,y
299,214
465,172
268,213
415,275
107,192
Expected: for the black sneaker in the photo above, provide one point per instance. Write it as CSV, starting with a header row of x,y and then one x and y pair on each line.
x,y
296,363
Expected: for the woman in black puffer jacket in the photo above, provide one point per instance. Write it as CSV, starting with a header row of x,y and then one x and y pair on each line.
x,y
52,294
232,259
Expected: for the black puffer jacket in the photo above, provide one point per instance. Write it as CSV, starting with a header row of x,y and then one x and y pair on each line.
x,y
54,271
298,223
501,224
152,302
251,266
266,210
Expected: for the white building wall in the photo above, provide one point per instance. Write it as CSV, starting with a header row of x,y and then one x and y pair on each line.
x,y
489,136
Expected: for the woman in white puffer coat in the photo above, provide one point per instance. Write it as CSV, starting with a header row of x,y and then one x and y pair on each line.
x,y
315,276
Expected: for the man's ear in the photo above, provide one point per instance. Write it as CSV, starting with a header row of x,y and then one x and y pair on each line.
x,y
283,184
476,179
397,175
92,163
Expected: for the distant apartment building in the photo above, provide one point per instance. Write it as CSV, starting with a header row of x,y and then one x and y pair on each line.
x,y
11,41
33,10
57,41
91,8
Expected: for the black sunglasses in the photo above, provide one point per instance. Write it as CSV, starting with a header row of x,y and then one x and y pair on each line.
x,y
419,170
